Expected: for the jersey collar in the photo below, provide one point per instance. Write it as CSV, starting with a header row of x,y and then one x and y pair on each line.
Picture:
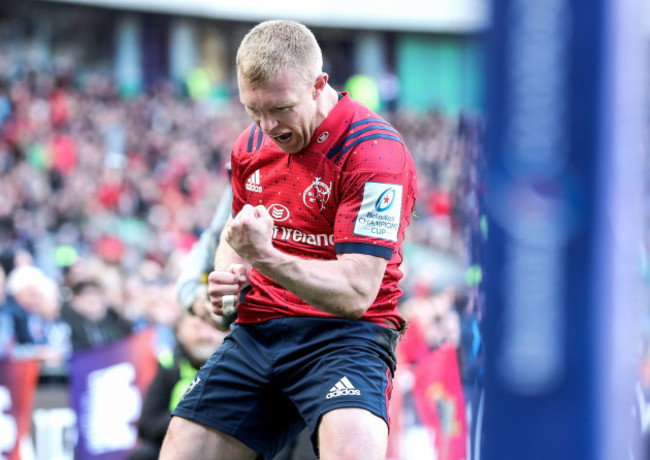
x,y
334,126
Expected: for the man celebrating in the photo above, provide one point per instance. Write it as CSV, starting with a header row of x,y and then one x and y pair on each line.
x,y
323,190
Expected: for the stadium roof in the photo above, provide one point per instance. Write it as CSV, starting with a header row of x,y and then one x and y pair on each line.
x,y
457,16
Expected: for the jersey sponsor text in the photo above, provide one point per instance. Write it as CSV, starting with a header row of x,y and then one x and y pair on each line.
x,y
292,234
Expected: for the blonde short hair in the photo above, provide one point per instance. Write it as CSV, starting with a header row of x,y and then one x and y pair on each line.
x,y
275,46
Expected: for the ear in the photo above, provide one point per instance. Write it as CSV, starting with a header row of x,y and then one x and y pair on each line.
x,y
320,84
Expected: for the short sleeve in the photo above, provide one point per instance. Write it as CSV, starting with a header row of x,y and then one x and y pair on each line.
x,y
377,198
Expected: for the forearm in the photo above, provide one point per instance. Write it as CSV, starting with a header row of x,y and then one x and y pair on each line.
x,y
345,287
225,255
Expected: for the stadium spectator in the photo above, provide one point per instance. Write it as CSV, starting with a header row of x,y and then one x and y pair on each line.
x,y
33,309
157,303
91,320
432,322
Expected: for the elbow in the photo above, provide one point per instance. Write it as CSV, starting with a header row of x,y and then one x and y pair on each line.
x,y
358,307
353,313
364,277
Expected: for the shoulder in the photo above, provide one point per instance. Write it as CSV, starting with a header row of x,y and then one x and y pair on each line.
x,y
375,146
249,140
369,141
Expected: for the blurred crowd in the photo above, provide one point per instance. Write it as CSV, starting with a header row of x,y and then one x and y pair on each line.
x,y
102,196
107,194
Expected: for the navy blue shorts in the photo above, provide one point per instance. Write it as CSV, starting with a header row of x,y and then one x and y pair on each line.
x,y
269,380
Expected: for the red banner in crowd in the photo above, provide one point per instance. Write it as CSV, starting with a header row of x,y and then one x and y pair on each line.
x,y
18,380
439,402
428,384
107,386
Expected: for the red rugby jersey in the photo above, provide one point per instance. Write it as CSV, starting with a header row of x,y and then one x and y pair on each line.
x,y
351,190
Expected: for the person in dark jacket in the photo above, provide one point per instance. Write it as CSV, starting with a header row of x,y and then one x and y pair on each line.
x,y
30,322
91,320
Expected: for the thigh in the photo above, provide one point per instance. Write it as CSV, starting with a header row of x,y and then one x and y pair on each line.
x,y
347,366
352,433
188,440
233,394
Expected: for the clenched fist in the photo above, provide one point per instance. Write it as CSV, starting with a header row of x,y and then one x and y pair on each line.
x,y
226,282
250,233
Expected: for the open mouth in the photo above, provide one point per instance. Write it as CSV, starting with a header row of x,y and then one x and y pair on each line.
x,y
283,138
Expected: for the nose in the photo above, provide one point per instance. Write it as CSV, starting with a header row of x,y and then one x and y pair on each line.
x,y
267,123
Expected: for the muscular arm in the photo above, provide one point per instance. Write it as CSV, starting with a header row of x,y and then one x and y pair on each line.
x,y
345,287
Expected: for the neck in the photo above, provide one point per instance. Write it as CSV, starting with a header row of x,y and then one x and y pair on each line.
x,y
327,101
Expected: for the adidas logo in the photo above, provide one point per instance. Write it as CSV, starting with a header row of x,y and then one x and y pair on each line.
x,y
253,182
343,388
191,386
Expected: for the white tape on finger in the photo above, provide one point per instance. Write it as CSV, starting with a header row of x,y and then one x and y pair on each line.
x,y
228,302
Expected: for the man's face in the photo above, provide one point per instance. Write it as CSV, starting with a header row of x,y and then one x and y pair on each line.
x,y
90,303
284,108
199,338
